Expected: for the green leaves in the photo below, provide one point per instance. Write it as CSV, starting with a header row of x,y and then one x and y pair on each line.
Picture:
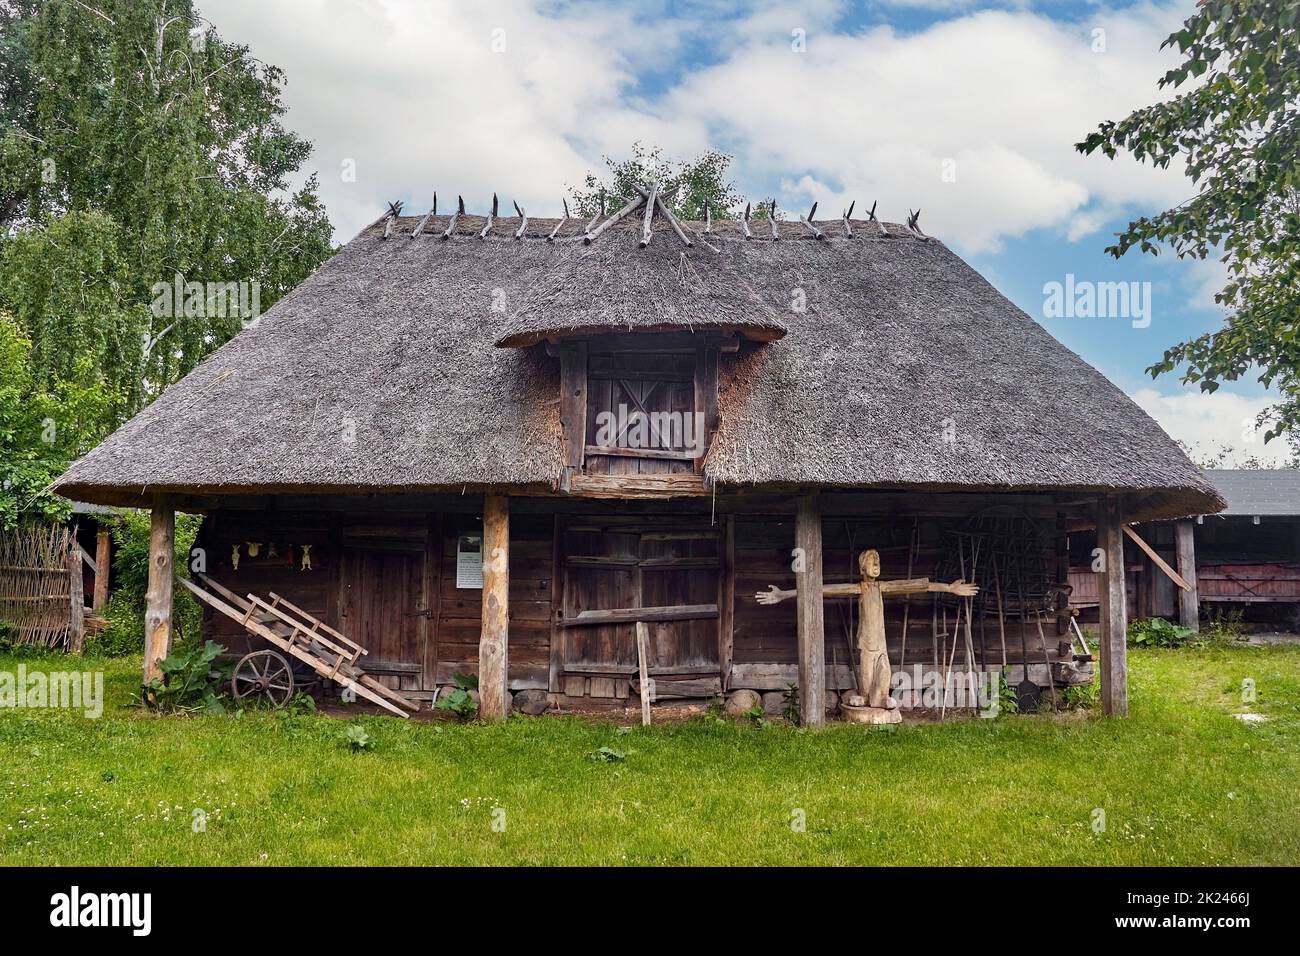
x,y
684,186
1237,128
191,681
133,151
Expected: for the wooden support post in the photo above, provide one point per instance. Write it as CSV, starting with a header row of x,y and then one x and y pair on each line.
x,y
77,601
573,407
643,672
811,626
1189,604
1113,610
103,561
158,597
493,645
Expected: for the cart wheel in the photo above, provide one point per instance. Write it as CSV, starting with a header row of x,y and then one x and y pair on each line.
x,y
262,677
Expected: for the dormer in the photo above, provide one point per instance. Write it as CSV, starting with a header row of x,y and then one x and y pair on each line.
x,y
639,329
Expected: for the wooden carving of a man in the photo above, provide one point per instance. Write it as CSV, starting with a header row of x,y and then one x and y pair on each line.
x,y
873,673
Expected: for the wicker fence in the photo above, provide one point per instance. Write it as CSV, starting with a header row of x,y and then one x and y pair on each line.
x,y
41,591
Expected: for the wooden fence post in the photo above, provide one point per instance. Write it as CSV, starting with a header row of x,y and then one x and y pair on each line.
x,y
811,627
77,601
1113,610
103,560
1189,605
158,597
494,640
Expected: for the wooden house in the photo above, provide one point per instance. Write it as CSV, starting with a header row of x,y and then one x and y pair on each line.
x,y
511,446
1245,559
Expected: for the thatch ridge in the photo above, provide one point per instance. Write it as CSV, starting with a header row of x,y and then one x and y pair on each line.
x,y
907,370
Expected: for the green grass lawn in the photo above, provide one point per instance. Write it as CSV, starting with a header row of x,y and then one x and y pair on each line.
x,y
1181,782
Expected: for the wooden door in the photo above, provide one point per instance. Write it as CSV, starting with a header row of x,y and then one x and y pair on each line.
x,y
651,397
381,608
660,564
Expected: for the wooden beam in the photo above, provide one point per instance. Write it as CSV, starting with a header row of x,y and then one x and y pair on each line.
x,y
811,626
643,684
727,601
706,400
1113,609
557,606
493,645
158,596
649,214
573,403
103,565
563,220
627,615
77,601
630,207
1189,609
1159,562
491,218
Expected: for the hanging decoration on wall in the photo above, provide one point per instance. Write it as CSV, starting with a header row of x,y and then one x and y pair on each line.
x,y
254,548
288,551
234,558
271,552
306,557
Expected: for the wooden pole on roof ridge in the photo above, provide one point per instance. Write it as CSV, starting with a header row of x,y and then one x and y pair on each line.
x,y
394,210
632,205
523,221
744,223
563,220
808,222
913,223
433,211
776,233
492,214
708,219
668,214
650,202
455,217
848,214
871,217
600,212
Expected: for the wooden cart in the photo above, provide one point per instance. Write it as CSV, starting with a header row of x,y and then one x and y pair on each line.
x,y
292,631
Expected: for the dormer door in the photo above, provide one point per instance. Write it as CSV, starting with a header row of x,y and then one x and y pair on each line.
x,y
639,406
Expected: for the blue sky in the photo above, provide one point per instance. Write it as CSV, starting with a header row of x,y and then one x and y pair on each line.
x,y
968,110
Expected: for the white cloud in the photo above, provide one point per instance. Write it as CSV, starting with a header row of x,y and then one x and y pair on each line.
x,y
414,93
1207,422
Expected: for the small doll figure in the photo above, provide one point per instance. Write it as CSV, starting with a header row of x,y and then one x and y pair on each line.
x,y
306,557
271,553
289,557
254,548
234,558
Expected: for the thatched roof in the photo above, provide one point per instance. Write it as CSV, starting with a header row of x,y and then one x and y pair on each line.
x,y
379,373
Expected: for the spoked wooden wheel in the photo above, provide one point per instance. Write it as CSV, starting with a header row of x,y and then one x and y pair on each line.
x,y
262,677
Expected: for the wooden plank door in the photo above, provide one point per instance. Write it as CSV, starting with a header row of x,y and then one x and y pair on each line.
x,y
380,608
657,565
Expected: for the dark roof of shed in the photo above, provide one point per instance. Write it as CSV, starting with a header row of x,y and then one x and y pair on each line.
x,y
1262,491
378,373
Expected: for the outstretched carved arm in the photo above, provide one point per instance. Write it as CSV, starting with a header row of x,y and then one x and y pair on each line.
x,y
959,588
773,595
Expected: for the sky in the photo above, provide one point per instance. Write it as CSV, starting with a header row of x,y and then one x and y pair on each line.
x,y
965,109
